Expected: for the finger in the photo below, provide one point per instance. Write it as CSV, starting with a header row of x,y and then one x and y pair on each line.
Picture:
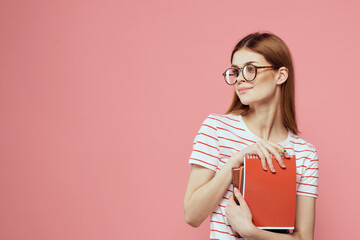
x,y
268,156
262,157
240,197
275,152
280,148
237,192
271,151
264,149
285,154
231,200
235,198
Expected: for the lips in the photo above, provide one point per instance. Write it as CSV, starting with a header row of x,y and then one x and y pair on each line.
x,y
243,90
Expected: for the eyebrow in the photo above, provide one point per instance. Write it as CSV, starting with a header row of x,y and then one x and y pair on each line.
x,y
233,65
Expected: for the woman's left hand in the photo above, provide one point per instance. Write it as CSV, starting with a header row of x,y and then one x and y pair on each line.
x,y
239,217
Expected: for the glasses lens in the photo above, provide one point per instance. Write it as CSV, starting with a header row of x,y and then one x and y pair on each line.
x,y
249,72
230,75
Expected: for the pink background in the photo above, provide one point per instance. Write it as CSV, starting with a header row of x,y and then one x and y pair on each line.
x,y
100,102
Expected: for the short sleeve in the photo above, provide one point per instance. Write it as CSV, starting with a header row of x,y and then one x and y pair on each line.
x,y
308,185
206,145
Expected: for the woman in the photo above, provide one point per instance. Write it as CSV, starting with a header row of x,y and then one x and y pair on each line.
x,y
261,120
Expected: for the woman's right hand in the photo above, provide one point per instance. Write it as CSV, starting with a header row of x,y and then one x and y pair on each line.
x,y
264,149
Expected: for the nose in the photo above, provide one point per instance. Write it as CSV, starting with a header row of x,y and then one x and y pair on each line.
x,y
240,78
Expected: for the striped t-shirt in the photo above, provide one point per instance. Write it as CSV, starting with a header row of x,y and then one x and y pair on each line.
x,y
220,136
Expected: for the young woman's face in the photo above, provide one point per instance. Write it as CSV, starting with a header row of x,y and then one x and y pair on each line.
x,y
263,87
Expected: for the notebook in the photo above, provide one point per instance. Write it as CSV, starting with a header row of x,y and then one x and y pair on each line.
x,y
271,197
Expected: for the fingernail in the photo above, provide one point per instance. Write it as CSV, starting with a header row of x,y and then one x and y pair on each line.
x,y
283,165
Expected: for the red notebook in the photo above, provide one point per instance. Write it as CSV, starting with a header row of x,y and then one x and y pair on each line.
x,y
271,197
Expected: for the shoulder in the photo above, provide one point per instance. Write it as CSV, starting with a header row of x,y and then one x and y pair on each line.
x,y
222,119
302,145
218,120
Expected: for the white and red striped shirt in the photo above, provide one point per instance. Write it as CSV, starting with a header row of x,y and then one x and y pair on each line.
x,y
220,136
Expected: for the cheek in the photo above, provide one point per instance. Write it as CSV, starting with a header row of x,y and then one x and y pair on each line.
x,y
265,87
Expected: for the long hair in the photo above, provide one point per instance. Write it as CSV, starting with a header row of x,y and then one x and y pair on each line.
x,y
275,51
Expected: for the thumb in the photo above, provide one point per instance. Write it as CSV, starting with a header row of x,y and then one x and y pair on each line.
x,y
239,197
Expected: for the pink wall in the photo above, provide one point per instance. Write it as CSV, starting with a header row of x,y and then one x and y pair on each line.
x,y
100,102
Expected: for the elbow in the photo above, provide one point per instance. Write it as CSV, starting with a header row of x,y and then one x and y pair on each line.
x,y
192,214
191,218
192,221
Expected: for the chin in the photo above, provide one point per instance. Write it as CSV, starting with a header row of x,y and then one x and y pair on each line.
x,y
245,100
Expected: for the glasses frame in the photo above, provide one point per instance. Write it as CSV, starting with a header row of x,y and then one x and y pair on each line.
x,y
242,72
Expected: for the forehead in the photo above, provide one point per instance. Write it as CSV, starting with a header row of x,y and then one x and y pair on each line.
x,y
245,55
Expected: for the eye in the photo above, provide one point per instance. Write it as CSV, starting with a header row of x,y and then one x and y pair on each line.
x,y
234,72
250,68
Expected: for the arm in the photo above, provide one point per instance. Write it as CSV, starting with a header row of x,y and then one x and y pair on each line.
x,y
205,189
204,183
240,219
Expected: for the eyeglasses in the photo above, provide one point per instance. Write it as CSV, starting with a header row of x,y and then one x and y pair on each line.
x,y
249,72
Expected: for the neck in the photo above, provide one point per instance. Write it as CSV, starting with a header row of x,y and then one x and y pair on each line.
x,y
265,121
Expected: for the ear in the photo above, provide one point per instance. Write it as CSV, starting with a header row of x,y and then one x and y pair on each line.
x,y
282,75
